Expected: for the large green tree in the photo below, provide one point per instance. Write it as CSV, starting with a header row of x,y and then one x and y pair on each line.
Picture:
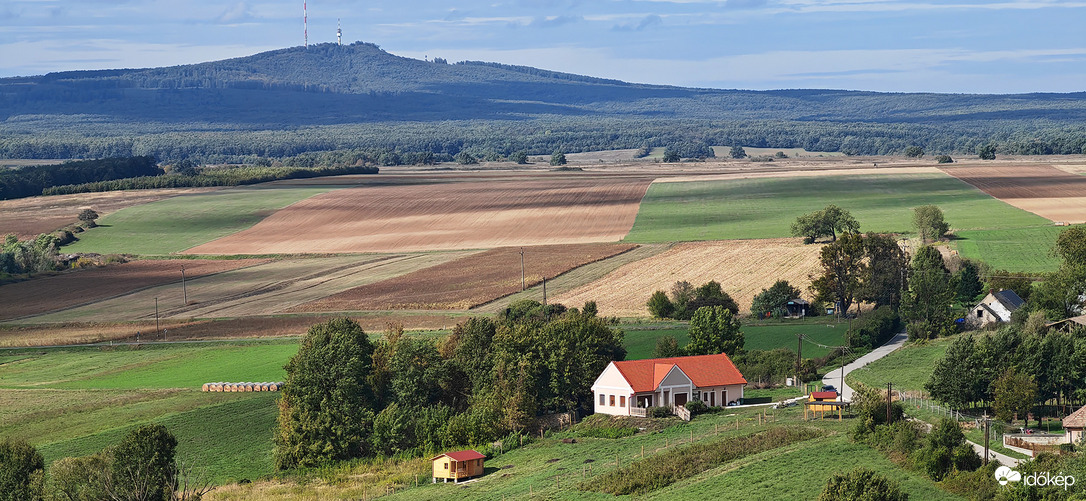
x,y
954,380
927,304
713,330
843,269
1015,394
325,409
22,471
773,300
929,222
886,273
828,222
143,466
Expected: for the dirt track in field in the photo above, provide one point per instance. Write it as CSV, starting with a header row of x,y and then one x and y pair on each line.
x,y
67,290
1047,191
468,281
743,268
28,217
506,210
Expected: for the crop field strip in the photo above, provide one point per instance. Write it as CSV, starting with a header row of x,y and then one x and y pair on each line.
x,y
765,207
78,287
743,268
28,217
1043,190
263,289
468,281
557,208
174,224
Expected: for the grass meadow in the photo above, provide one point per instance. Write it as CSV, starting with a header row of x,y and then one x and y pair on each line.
x,y
175,224
766,208
909,367
641,339
1016,249
74,402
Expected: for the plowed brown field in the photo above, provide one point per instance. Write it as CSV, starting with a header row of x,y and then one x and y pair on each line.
x,y
466,282
743,268
555,208
1041,189
40,295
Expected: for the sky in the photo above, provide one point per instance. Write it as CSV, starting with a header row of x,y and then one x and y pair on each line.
x,y
957,46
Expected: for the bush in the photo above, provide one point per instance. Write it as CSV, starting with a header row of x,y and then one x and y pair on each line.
x,y
660,306
81,478
658,412
944,159
558,158
143,465
861,484
874,329
696,407
21,471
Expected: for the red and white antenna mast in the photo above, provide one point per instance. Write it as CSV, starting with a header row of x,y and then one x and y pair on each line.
x,y
305,22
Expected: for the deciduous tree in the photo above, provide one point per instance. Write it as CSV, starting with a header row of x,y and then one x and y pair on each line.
x,y
22,471
843,269
1015,394
713,330
929,222
773,300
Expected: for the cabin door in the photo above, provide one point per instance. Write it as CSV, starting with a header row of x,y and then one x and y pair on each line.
x,y
680,399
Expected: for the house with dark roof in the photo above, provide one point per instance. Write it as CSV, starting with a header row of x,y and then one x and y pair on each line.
x,y
1074,425
629,387
996,307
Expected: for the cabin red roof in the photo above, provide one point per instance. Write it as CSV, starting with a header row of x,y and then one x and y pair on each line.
x,y
823,395
703,370
467,455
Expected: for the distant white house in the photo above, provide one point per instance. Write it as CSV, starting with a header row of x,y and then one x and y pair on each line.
x,y
996,307
627,388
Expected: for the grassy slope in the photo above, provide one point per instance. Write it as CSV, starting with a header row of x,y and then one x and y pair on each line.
x,y
908,368
177,223
1018,249
75,402
765,208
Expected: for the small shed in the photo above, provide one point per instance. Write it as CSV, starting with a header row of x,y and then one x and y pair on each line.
x,y
458,465
821,402
1075,425
797,308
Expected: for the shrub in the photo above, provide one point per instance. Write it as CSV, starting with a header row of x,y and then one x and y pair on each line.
x,y
660,306
696,407
658,412
81,478
143,465
861,484
667,347
21,471
558,158
944,159
874,329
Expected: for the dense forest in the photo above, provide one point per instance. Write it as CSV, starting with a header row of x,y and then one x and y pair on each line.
x,y
329,97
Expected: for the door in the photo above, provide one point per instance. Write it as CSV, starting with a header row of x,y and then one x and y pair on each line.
x,y
712,398
680,399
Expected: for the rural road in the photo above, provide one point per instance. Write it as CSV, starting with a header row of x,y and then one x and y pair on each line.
x,y
836,379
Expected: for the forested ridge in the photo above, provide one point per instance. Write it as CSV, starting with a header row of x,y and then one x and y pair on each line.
x,y
328,97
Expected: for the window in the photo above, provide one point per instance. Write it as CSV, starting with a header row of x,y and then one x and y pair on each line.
x,y
601,398
622,401
446,466
612,400
980,313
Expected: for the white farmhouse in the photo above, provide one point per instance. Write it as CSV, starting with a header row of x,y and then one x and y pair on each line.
x,y
996,307
629,387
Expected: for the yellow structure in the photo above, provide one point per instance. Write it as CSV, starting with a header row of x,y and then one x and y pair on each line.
x,y
458,465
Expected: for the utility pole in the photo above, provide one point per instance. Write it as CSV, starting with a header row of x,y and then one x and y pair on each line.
x,y
183,287
156,315
544,291
987,424
889,389
799,359
522,269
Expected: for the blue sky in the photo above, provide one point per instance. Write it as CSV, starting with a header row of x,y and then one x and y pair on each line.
x,y
882,45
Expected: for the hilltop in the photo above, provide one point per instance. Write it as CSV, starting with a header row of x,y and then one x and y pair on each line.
x,y
348,89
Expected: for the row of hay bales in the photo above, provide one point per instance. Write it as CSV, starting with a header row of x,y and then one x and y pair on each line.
x,y
236,387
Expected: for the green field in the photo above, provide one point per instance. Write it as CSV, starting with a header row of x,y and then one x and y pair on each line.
x,y
178,223
908,368
1018,249
641,339
766,208
71,402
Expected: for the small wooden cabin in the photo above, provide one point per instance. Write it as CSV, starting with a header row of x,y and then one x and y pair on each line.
x,y
458,465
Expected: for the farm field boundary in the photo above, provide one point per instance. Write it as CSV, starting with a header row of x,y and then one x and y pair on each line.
x,y
468,281
1041,189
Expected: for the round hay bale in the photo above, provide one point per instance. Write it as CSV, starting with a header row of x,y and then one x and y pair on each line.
x,y
206,387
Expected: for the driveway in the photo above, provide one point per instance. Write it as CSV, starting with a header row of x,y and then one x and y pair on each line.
x,y
836,378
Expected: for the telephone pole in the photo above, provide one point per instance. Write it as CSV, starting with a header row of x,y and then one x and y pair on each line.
x,y
156,315
183,287
522,269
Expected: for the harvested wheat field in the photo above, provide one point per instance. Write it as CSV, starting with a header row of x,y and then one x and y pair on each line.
x,y
556,208
743,268
28,217
74,288
1044,190
469,281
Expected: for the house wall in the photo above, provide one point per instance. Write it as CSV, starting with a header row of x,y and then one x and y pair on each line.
x,y
720,399
612,384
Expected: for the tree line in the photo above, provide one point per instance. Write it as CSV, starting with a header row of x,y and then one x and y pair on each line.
x,y
33,180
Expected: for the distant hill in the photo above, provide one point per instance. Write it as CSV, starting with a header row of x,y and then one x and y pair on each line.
x,y
346,90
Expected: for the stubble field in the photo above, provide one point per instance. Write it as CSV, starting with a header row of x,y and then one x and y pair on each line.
x,y
743,268
1041,189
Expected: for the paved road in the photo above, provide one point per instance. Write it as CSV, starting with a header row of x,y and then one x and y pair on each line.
x,y
836,379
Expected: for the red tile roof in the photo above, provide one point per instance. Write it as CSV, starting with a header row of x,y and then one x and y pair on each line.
x,y
822,395
1076,419
467,455
703,370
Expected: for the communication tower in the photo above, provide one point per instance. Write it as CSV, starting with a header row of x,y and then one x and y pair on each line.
x,y
339,33
305,23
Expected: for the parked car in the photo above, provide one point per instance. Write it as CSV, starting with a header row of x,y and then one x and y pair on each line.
x,y
828,387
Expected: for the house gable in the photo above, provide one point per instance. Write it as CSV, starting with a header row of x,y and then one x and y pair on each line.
x,y
674,377
612,380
